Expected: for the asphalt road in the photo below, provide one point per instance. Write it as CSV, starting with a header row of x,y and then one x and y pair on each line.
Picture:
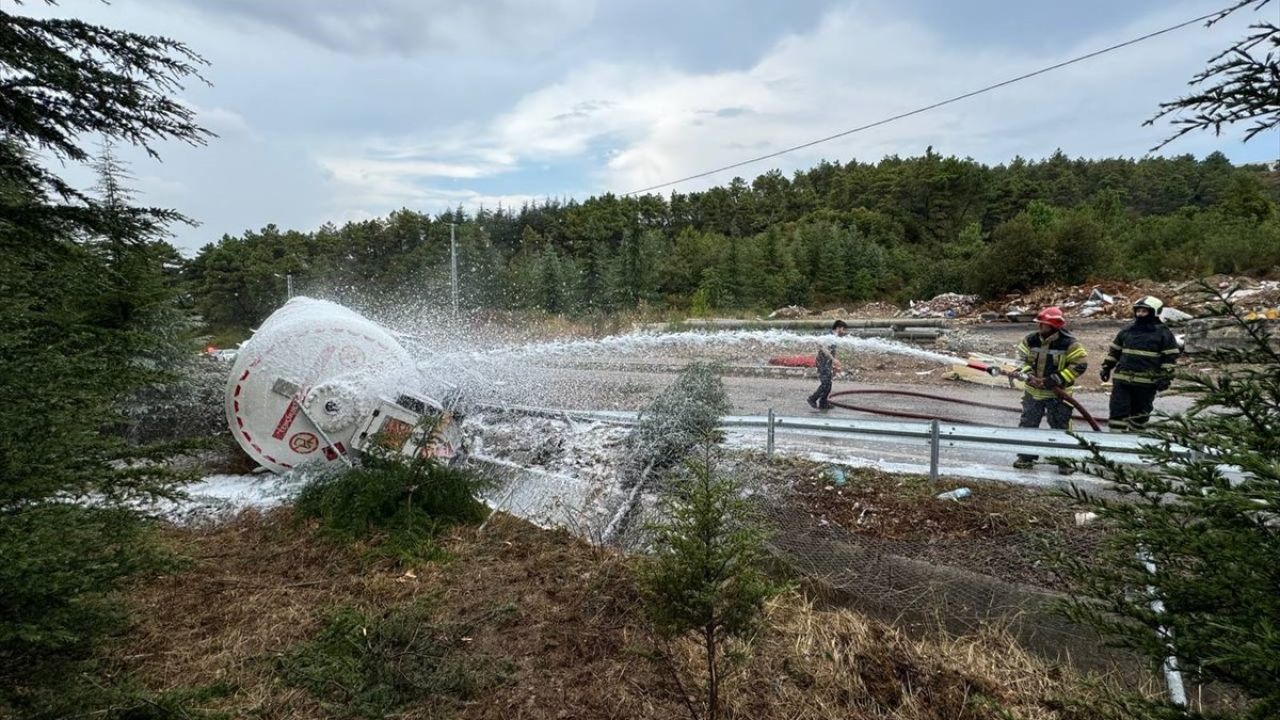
x,y
751,394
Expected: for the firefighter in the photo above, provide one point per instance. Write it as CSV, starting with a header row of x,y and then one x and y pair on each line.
x,y
1052,359
1140,363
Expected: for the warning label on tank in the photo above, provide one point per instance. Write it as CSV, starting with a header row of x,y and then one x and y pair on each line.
x,y
303,443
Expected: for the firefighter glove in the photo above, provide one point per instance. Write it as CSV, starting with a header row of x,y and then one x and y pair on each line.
x,y
1162,385
1053,381
1106,373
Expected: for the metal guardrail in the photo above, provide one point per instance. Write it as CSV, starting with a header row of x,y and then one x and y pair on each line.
x,y
1122,447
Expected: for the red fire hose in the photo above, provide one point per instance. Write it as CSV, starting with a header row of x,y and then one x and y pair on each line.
x,y
1084,414
1063,395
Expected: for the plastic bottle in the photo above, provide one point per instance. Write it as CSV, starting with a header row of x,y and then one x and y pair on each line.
x,y
836,474
956,494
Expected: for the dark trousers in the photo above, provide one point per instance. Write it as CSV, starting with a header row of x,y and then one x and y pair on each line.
x,y
1057,411
1130,405
824,389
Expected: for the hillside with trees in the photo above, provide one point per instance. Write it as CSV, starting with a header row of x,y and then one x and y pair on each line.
x,y
837,233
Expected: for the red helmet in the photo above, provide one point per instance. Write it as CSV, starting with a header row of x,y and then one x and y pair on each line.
x,y
1052,316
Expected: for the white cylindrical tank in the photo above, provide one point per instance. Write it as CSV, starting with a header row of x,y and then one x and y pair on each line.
x,y
309,374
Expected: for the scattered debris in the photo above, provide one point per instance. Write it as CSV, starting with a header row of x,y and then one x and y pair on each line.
x,y
1100,297
1111,299
1174,315
958,494
948,305
790,312
836,475
961,341
873,309
1097,302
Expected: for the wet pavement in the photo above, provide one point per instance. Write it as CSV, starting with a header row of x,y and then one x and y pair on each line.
x,y
754,394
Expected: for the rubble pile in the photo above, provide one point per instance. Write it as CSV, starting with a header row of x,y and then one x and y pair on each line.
x,y
790,312
1102,300
1108,299
1114,299
873,309
1257,298
946,305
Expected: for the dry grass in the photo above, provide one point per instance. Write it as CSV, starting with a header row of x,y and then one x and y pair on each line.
x,y
578,643
255,587
837,663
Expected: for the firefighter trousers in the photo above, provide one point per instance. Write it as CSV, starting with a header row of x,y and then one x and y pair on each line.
x,y
1131,405
1033,410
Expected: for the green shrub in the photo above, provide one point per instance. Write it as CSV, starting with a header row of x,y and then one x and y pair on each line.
x,y
402,503
1237,246
1040,245
373,666
57,603
685,413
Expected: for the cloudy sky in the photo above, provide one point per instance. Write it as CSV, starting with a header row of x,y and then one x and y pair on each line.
x,y
334,110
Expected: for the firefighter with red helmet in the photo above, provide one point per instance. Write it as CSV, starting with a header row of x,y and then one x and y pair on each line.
x,y
1140,363
1052,359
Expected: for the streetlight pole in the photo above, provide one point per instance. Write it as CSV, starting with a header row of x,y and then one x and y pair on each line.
x,y
453,262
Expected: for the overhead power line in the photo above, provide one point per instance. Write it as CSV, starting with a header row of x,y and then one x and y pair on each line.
x,y
927,108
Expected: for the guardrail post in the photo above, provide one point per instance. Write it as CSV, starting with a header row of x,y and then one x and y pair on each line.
x,y
769,444
1172,675
935,432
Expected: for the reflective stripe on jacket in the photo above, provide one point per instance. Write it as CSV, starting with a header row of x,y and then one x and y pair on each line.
x,y
1060,355
1142,354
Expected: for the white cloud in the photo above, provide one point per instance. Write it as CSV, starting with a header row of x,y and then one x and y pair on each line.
x,y
321,115
855,67
411,26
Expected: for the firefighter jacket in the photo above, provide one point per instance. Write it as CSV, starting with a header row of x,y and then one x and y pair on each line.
x,y
1059,359
1142,354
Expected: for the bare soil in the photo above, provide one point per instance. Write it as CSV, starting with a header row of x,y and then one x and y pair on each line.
x,y
1005,531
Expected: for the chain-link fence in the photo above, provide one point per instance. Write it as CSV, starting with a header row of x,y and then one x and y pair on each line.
x,y
882,544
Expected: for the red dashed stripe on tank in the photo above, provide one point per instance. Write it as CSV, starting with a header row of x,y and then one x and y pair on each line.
x,y
258,360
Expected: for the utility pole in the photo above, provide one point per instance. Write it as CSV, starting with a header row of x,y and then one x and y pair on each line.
x,y
288,285
453,261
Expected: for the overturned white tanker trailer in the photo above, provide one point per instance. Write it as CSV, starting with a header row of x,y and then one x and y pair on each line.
x,y
319,382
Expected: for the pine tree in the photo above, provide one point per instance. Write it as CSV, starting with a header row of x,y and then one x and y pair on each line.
x,y
706,576
1196,530
549,288
81,276
1245,83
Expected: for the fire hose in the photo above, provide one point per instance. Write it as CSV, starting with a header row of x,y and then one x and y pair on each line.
x,y
1063,395
1083,413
